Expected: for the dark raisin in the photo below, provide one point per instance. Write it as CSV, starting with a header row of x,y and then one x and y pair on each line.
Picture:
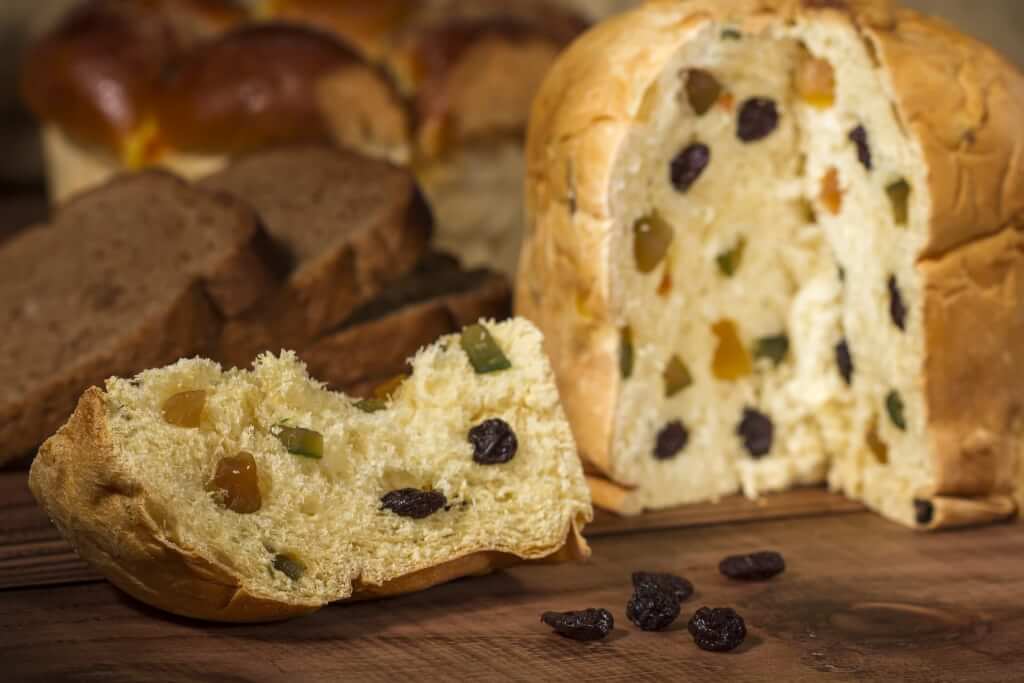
x,y
688,166
845,362
897,309
672,438
717,629
757,431
859,137
753,567
924,511
894,406
588,624
651,608
758,119
774,348
413,502
679,587
494,442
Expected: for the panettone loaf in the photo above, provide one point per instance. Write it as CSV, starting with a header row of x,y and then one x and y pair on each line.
x,y
135,274
779,241
259,495
442,85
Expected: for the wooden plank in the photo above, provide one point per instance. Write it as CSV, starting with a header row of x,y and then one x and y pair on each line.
x,y
806,502
862,600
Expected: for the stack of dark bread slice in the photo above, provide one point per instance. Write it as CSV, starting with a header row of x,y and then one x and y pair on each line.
x,y
304,247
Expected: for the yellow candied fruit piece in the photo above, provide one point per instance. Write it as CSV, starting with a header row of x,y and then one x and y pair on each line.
x,y
831,193
236,484
185,409
815,81
652,238
876,445
731,361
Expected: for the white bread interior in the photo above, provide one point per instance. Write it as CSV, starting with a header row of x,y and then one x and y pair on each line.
x,y
325,512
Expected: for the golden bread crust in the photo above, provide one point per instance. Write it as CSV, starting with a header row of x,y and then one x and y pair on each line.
x,y
957,99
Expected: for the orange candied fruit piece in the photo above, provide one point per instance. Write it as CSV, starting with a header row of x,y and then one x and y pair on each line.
x,y
185,409
732,360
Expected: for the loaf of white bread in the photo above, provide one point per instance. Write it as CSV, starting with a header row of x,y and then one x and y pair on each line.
x,y
777,242
239,495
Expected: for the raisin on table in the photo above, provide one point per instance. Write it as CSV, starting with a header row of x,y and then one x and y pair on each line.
x,y
753,567
652,608
588,624
717,629
679,587
494,442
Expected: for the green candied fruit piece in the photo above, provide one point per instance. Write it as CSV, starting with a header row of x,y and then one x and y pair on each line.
x,y
774,348
731,34
484,353
371,405
626,355
894,406
677,377
899,196
300,441
289,565
729,261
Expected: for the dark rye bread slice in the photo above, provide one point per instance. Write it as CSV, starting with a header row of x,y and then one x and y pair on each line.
x,y
132,275
350,225
373,345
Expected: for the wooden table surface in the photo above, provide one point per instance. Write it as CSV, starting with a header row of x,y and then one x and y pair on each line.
x,y
862,599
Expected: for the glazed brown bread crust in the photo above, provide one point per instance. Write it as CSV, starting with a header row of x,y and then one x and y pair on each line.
x,y
961,103
86,309
209,79
98,72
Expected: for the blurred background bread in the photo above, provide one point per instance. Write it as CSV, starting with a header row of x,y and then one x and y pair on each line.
x,y
443,85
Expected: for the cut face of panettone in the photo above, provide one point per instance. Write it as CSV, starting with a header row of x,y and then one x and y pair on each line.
x,y
282,496
750,271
